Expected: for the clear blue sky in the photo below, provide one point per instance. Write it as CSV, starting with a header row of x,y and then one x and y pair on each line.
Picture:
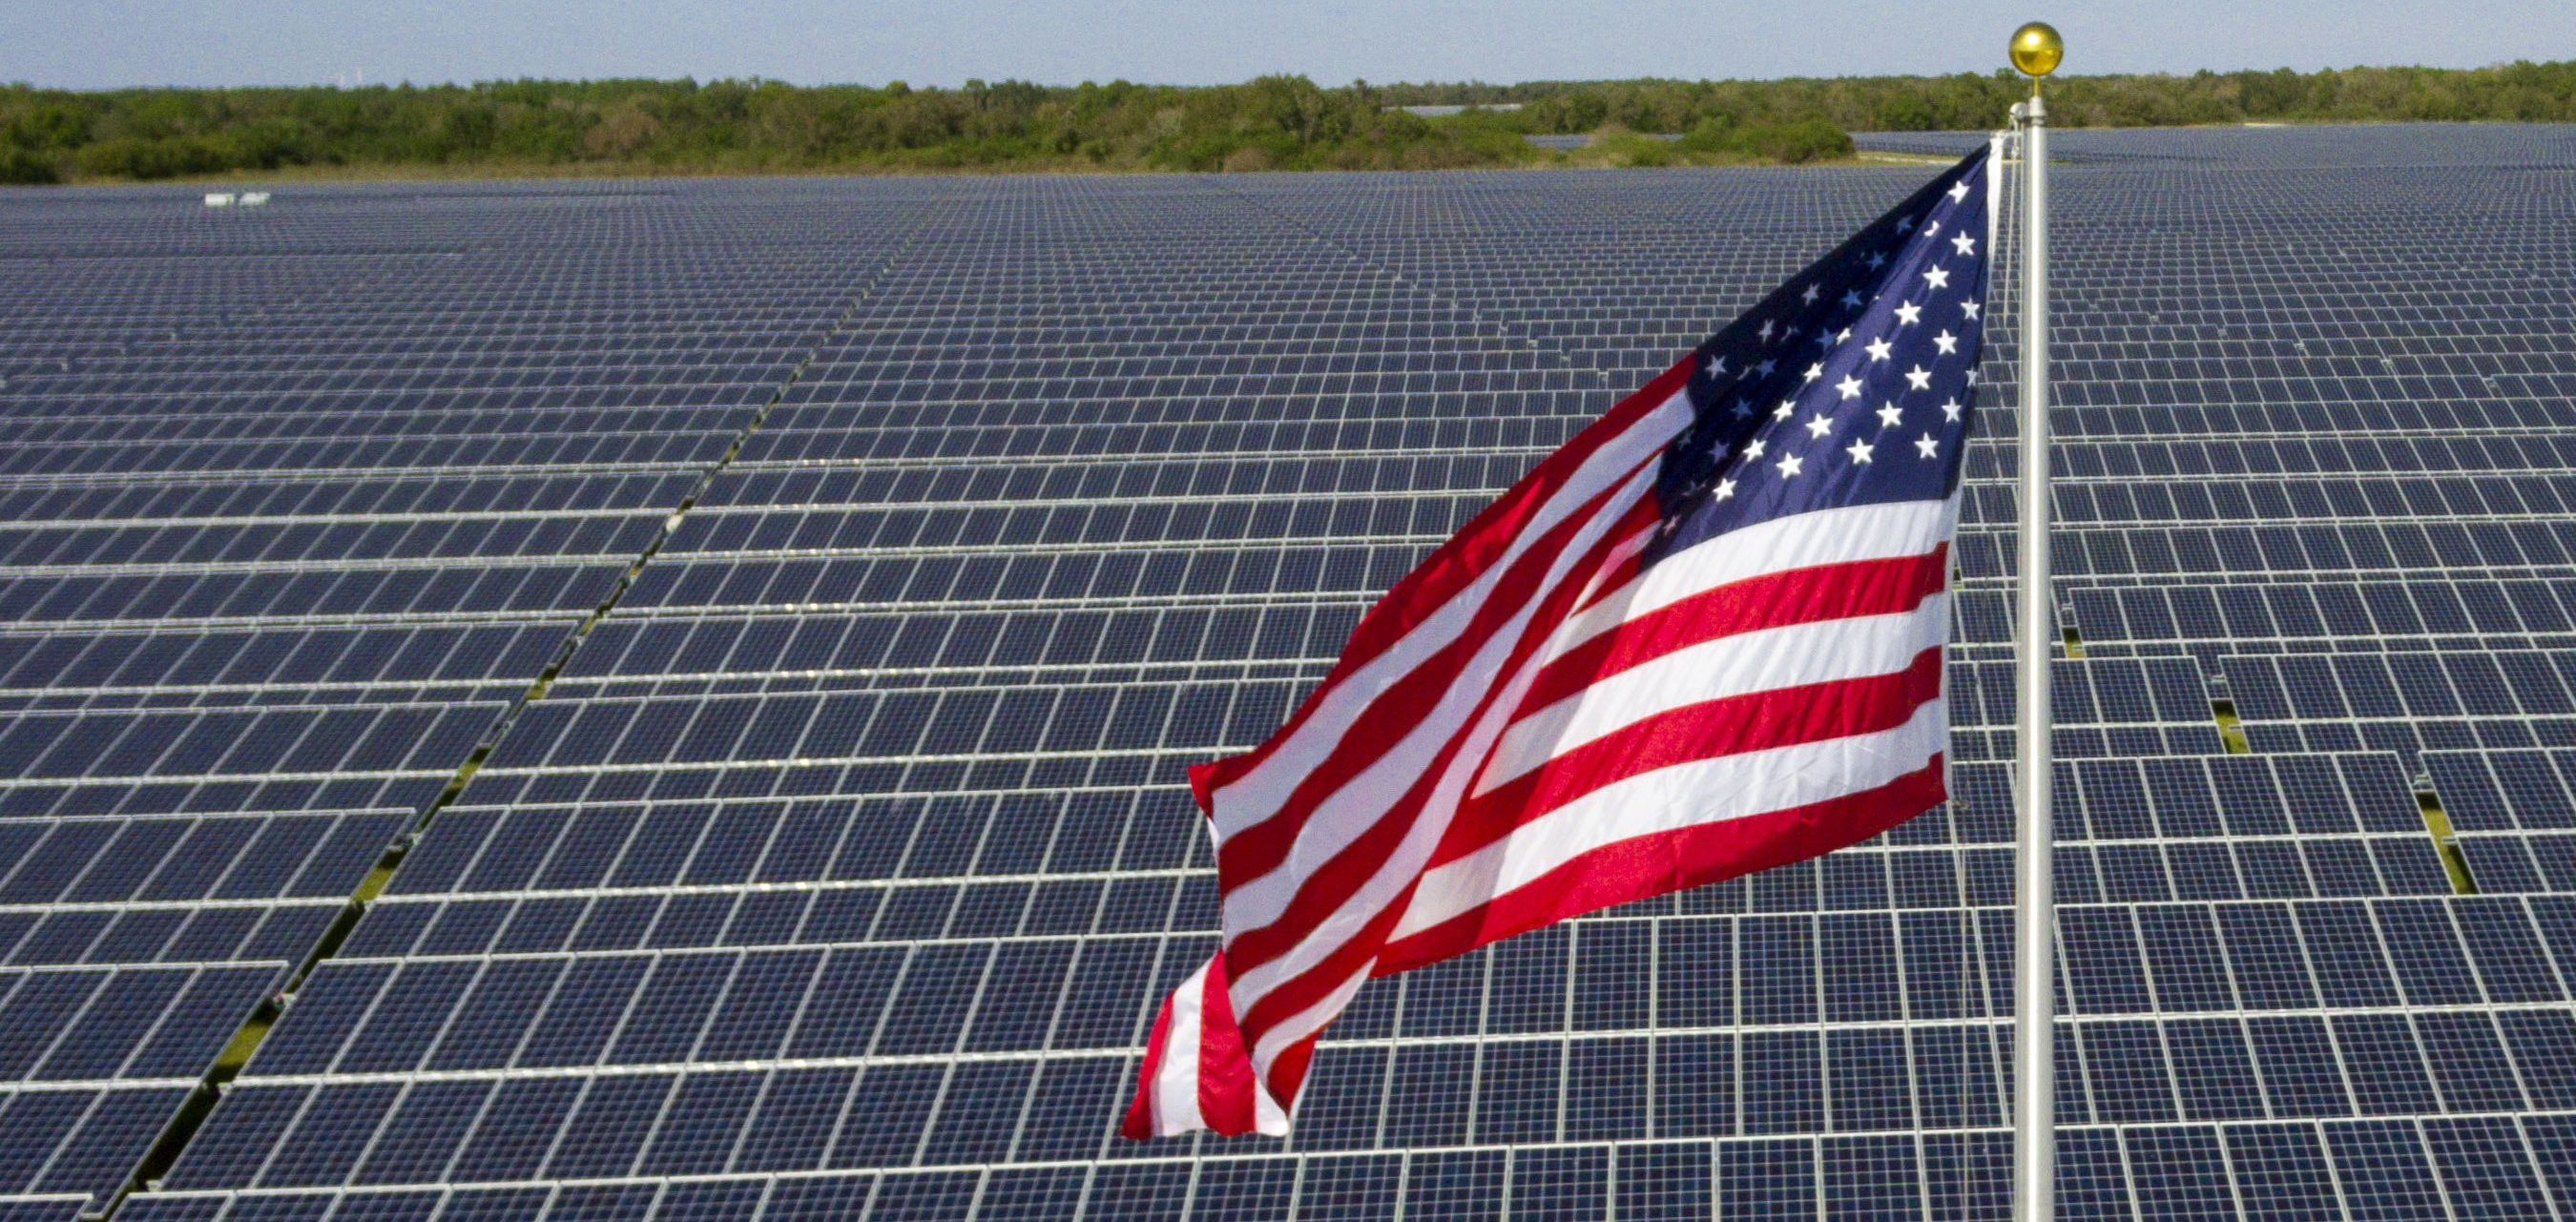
x,y
86,44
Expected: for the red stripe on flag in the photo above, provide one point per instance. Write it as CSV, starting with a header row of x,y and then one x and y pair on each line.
x,y
1295,995
1453,566
1772,600
1736,725
1324,889
1288,1069
1648,866
1261,848
1139,1125
1225,1065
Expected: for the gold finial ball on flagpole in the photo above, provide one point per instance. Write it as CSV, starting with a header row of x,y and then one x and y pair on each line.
x,y
2036,48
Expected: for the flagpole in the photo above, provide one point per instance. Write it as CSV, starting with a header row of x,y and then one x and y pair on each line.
x,y
2036,50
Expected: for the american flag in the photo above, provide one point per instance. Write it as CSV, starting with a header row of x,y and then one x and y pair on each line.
x,y
1702,639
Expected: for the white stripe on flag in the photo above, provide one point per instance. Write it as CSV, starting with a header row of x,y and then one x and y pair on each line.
x,y
1259,794
1768,659
1305,1022
1431,824
1800,541
1825,536
1176,1085
1668,799
1357,806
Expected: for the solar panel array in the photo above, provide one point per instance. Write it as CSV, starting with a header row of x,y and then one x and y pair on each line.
x,y
742,640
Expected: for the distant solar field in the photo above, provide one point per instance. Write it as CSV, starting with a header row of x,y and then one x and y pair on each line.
x,y
742,641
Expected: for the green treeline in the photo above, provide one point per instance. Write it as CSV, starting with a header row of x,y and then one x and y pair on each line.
x,y
1279,122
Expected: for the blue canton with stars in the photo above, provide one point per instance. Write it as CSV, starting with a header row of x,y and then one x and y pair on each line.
x,y
1851,384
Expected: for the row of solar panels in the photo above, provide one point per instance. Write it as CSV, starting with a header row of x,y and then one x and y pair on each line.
x,y
2082,474
2381,1169
278,496
2408,1170
2375,615
2182,950
371,455
1320,517
460,390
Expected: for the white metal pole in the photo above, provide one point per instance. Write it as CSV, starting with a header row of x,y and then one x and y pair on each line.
x,y
2035,919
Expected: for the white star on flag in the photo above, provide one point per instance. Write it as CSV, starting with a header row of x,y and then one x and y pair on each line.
x,y
1919,378
1818,425
1946,342
1789,464
1879,348
1964,244
1849,386
1859,450
1907,313
1927,447
1938,276
1950,410
1888,415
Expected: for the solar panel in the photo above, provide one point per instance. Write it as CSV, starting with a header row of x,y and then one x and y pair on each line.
x,y
742,642
297,514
